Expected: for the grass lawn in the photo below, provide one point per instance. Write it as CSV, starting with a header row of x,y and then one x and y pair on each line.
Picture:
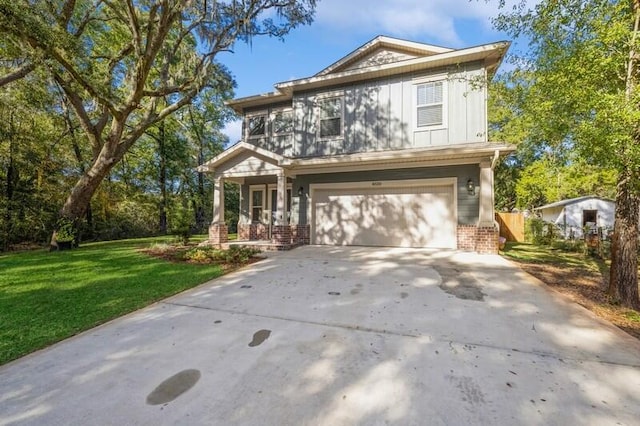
x,y
526,252
581,277
46,297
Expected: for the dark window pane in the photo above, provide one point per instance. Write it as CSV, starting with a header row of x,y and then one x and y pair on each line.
x,y
257,125
283,122
330,127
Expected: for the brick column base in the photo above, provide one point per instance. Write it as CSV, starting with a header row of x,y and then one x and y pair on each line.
x,y
483,240
218,234
467,237
281,234
487,240
300,234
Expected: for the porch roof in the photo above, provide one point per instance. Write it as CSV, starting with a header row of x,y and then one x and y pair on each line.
x,y
413,157
234,151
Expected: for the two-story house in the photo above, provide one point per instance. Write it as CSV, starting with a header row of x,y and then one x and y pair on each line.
x,y
386,147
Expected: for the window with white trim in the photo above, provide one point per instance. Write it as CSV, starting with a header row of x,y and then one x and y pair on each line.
x,y
282,122
256,125
257,201
330,117
430,104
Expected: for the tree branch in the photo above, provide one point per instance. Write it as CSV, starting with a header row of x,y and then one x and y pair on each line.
x,y
17,74
81,113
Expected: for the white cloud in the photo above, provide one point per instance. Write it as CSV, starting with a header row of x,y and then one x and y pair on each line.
x,y
415,19
233,130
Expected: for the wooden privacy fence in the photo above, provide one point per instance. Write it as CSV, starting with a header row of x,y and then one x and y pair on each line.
x,y
511,226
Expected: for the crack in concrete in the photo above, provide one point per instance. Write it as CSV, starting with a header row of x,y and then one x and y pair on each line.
x,y
541,354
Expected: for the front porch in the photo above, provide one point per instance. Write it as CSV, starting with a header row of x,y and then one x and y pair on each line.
x,y
266,199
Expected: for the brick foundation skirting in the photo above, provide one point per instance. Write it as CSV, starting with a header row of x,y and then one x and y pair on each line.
x,y
253,232
285,235
482,240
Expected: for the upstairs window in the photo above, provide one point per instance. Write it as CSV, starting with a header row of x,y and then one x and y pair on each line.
x,y
282,122
257,125
429,104
330,117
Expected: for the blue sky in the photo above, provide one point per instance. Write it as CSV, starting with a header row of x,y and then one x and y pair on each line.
x,y
341,26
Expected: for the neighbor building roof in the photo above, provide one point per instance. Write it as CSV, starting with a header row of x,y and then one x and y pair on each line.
x,y
563,203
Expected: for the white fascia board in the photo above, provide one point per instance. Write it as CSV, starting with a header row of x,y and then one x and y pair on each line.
x,y
384,41
443,59
467,151
210,165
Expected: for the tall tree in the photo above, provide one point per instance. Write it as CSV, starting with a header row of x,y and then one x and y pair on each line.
x,y
117,61
583,60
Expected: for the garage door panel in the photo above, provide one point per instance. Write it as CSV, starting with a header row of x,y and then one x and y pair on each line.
x,y
416,216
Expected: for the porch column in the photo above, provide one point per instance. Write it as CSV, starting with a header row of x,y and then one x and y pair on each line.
x,y
487,232
281,232
281,206
218,233
486,216
218,200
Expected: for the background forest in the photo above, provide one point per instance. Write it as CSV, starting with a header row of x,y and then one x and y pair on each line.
x,y
154,190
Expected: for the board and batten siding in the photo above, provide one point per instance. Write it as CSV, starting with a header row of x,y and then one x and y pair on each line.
x,y
468,205
379,115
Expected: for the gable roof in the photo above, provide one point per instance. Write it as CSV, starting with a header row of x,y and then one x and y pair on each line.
x,y
418,57
236,150
382,43
563,203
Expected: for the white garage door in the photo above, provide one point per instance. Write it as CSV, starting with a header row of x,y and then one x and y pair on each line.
x,y
385,214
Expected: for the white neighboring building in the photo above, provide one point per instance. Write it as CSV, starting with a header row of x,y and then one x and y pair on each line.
x,y
573,215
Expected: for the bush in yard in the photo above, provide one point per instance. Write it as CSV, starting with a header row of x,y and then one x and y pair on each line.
x,y
534,230
202,254
234,255
182,223
239,254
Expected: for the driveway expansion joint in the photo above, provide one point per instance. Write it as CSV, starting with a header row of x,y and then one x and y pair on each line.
x,y
433,339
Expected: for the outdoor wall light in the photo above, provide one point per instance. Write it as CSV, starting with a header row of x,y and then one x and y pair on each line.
x,y
300,191
471,187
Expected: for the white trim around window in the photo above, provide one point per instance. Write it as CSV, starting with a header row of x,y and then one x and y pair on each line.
x,y
258,123
429,103
330,118
281,121
260,206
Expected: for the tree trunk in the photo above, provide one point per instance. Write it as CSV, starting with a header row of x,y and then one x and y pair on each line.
x,y
162,179
75,206
623,284
81,164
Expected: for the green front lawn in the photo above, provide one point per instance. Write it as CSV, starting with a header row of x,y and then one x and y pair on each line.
x,y
46,297
530,253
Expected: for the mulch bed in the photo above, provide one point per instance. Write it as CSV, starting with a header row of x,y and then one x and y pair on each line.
x,y
587,288
175,254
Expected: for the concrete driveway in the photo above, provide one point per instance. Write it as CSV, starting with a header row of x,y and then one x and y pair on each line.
x,y
341,336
